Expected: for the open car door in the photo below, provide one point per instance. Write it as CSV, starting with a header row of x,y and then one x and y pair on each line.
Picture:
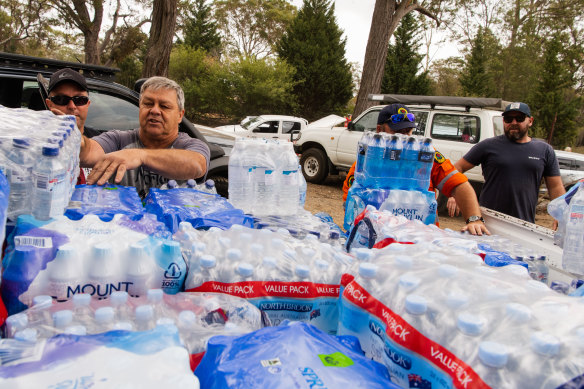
x,y
43,88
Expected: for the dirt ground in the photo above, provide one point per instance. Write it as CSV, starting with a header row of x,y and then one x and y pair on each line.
x,y
328,197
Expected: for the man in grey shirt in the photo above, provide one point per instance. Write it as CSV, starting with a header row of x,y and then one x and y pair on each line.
x,y
513,166
148,156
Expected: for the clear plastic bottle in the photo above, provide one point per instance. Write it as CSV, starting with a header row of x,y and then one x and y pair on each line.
x,y
244,272
208,271
361,154
409,164
15,323
19,176
76,329
119,302
41,312
82,310
104,319
469,327
27,335
288,194
426,161
368,278
301,273
374,161
265,182
139,270
49,184
227,269
144,317
62,320
572,258
492,360
302,186
240,176
268,271
64,273
101,269
392,162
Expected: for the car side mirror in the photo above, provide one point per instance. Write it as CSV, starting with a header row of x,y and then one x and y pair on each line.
x,y
350,126
292,138
138,84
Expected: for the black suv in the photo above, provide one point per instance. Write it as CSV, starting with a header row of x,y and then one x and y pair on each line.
x,y
113,106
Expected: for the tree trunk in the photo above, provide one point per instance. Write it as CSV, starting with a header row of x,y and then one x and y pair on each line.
x,y
382,26
160,42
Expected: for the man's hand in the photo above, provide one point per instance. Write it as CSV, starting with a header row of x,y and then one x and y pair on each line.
x,y
117,162
57,111
476,228
453,209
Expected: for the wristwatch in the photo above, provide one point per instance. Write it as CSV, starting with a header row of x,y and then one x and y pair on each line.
x,y
474,219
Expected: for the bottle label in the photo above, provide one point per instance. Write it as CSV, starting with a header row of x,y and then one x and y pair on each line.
x,y
289,177
362,149
412,359
392,154
20,176
269,177
426,156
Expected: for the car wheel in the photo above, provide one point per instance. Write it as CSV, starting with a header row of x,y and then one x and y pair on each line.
x,y
314,165
221,184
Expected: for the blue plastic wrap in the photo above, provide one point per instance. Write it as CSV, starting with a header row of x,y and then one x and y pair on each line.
x,y
104,201
292,355
202,210
497,258
4,197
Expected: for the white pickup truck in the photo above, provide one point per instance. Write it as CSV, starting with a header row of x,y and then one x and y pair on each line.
x,y
455,124
267,126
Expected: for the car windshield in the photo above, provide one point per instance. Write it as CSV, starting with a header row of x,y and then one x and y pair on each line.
x,y
250,123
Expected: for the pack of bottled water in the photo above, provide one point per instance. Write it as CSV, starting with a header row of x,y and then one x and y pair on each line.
x,y
117,359
198,316
438,316
265,178
66,257
568,210
392,173
39,154
285,277
301,224
4,199
207,186
104,201
202,210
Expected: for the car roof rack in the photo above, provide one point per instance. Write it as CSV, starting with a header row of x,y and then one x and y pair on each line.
x,y
49,66
433,101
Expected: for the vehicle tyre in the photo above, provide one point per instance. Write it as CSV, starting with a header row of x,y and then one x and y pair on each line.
x,y
314,164
221,184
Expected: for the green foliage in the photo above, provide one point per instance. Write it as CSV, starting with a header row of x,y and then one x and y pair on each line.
x,y
130,71
231,90
475,78
554,102
314,47
403,62
251,27
446,77
199,29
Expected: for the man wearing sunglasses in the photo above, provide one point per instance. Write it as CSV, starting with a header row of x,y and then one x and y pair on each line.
x,y
68,95
396,118
513,166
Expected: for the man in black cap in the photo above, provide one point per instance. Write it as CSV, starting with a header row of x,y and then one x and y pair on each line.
x,y
513,166
68,95
396,118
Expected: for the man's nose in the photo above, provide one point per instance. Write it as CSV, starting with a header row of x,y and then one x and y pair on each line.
x,y
155,109
71,105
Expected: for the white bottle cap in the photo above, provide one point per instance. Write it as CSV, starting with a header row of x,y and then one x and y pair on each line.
x,y
102,250
62,319
28,335
416,305
123,326
144,313
104,315
409,281
493,354
233,255
269,262
518,313
447,271
308,252
321,265
17,321
545,344
367,270
245,269
208,261
256,249
455,300
154,295
42,302
470,324
302,271
187,318
119,298
65,252
363,254
76,330
81,300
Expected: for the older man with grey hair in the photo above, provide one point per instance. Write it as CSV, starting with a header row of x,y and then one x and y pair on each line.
x,y
148,156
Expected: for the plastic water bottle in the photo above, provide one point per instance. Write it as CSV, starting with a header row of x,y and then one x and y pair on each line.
x,y
265,183
155,298
144,317
426,161
545,354
102,269
119,303
207,273
361,153
409,164
20,177
82,310
191,184
301,188
104,319
543,269
209,187
64,273
27,335
62,319
416,308
15,323
367,278
174,265
572,258
227,268
244,272
392,162
374,161
288,194
268,271
493,359
139,270
240,176
470,327
301,273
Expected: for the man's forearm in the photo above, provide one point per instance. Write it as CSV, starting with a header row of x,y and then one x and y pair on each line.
x,y
90,152
174,163
466,199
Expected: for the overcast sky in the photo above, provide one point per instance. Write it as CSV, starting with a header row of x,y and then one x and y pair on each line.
x,y
354,17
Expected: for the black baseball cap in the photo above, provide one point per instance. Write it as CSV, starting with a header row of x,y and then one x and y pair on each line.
x,y
393,109
68,75
517,107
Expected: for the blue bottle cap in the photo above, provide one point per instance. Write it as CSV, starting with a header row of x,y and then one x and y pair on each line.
x,y
545,344
269,262
367,270
154,295
62,319
245,269
470,324
21,143
209,184
50,150
403,262
171,248
321,264
191,183
493,354
416,305
208,261
171,184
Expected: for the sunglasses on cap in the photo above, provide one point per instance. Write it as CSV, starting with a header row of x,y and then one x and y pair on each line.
x,y
64,100
402,115
519,118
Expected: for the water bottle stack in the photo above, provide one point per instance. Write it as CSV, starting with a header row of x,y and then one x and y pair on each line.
x,y
39,154
197,317
264,178
393,171
516,333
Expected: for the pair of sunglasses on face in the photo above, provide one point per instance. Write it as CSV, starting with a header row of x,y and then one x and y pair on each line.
x,y
64,100
518,119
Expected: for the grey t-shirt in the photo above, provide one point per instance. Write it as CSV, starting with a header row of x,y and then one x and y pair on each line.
x,y
513,173
143,178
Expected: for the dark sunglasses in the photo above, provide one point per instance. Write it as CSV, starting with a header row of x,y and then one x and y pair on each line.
x,y
64,100
518,119
402,116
